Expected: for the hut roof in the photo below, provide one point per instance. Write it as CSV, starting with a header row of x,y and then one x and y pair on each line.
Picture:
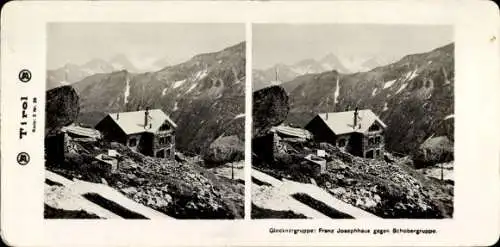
x,y
343,122
133,122
290,131
81,131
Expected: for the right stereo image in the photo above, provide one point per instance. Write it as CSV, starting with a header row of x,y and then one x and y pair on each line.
x,y
352,121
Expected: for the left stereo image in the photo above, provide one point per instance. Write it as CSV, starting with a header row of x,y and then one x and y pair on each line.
x,y
145,121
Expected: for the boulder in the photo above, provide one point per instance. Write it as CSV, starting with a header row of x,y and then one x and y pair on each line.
x,y
223,150
62,108
434,150
329,148
270,108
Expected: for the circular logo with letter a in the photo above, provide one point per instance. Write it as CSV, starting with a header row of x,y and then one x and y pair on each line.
x,y
23,158
25,75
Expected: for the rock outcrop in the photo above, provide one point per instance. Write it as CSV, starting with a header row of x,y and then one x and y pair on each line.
x,y
434,150
62,108
387,189
223,150
270,108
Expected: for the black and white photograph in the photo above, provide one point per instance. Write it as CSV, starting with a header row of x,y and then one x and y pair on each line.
x,y
145,121
353,121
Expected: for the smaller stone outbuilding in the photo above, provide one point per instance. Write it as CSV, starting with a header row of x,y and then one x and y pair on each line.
x,y
266,146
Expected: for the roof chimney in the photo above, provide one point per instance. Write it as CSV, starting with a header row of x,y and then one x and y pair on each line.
x,y
146,117
327,115
117,116
355,118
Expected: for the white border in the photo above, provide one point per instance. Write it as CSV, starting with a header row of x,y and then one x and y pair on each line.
x,y
248,122
477,65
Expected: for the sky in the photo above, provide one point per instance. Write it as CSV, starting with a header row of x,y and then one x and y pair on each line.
x,y
290,43
142,43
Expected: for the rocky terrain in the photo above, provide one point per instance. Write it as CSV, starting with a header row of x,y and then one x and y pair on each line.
x,y
387,189
187,187
395,187
183,189
413,96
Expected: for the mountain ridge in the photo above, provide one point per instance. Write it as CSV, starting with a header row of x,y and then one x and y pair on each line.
x,y
203,95
329,62
413,96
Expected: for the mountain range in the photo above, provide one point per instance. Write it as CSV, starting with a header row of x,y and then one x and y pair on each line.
x,y
280,72
204,96
71,73
413,96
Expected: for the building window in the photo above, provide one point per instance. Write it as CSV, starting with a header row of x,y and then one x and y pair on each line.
x,y
164,140
341,143
160,154
164,127
374,127
370,140
378,139
132,142
369,154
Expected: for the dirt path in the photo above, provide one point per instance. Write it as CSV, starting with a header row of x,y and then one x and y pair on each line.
x,y
70,197
278,197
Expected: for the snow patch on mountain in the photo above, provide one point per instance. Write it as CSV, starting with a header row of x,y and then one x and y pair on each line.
x,y
402,88
302,70
201,74
164,92
336,93
118,66
176,107
178,83
327,66
385,107
410,75
374,91
239,115
191,88
446,80
126,93
388,84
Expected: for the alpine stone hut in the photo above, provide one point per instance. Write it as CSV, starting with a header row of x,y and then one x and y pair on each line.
x,y
359,132
150,132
